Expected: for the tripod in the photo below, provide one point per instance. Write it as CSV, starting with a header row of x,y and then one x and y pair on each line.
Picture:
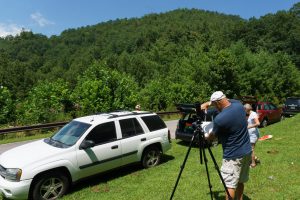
x,y
198,132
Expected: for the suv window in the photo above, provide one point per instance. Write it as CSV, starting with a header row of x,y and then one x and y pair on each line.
x,y
130,127
103,133
258,107
290,101
154,122
69,134
266,107
272,107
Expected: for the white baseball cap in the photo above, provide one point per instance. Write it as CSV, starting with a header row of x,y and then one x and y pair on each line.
x,y
137,107
216,96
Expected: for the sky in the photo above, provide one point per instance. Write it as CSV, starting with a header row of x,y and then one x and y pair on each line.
x,y
51,17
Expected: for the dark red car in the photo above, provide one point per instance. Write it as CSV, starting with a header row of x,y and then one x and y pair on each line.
x,y
268,113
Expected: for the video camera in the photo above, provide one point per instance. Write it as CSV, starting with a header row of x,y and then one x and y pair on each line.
x,y
193,118
201,115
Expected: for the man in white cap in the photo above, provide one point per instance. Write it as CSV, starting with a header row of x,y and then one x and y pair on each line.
x,y
230,126
138,107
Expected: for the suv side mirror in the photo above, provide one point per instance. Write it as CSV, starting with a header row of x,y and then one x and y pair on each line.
x,y
87,144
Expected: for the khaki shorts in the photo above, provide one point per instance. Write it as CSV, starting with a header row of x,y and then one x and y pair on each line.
x,y
235,171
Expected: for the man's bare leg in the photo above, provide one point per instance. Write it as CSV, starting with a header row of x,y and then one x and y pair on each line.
x,y
231,193
240,191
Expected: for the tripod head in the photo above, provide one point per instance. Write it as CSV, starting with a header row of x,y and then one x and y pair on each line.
x,y
201,116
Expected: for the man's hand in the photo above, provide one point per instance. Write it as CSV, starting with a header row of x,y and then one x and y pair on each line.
x,y
209,136
205,105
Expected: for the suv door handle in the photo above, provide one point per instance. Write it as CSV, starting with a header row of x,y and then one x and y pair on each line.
x,y
143,139
114,147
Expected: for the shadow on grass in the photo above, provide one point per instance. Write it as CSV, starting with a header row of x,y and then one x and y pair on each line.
x,y
187,144
112,174
165,158
220,195
104,177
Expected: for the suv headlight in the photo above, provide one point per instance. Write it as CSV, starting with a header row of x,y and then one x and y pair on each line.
x,y
12,174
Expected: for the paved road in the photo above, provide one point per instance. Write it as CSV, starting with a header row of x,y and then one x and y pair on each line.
x,y
172,127
4,147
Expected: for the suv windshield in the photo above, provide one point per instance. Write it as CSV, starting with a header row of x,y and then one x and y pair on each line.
x,y
69,134
290,101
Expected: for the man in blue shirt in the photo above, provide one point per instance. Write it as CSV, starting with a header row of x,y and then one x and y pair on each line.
x,y
230,126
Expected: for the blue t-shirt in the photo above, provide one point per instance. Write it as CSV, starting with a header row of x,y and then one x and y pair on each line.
x,y
230,126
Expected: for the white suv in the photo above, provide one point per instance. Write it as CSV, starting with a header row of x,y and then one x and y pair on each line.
x,y
86,146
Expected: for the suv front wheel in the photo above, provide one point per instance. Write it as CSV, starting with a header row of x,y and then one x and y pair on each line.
x,y
151,157
50,186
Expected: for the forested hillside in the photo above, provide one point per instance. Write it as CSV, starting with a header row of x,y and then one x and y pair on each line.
x,y
157,60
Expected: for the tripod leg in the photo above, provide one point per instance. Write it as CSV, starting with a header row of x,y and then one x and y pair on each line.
x,y
201,144
218,170
202,149
183,164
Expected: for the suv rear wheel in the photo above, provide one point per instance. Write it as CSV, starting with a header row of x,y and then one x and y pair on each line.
x,y
52,185
264,123
151,157
282,118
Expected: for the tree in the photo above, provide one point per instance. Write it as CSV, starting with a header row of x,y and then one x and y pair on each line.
x,y
155,95
45,103
296,9
274,77
223,72
6,105
100,89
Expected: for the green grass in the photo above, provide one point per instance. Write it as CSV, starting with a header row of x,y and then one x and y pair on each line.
x,y
21,139
21,136
277,177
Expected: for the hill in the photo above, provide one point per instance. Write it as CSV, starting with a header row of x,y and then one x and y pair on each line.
x,y
178,56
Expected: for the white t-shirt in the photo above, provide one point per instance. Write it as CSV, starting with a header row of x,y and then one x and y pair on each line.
x,y
251,120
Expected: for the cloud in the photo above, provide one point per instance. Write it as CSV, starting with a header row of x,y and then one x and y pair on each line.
x,y
38,18
10,29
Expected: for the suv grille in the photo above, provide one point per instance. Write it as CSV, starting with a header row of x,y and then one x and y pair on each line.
x,y
292,105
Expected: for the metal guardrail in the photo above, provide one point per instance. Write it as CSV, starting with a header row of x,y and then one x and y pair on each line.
x,y
32,127
52,125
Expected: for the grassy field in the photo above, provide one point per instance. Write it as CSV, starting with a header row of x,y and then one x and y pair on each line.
x,y
277,177
20,139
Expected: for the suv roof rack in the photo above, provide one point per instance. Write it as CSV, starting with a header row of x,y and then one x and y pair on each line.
x,y
122,113
128,113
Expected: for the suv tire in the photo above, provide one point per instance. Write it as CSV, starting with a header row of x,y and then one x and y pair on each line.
x,y
282,118
264,123
51,185
151,157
